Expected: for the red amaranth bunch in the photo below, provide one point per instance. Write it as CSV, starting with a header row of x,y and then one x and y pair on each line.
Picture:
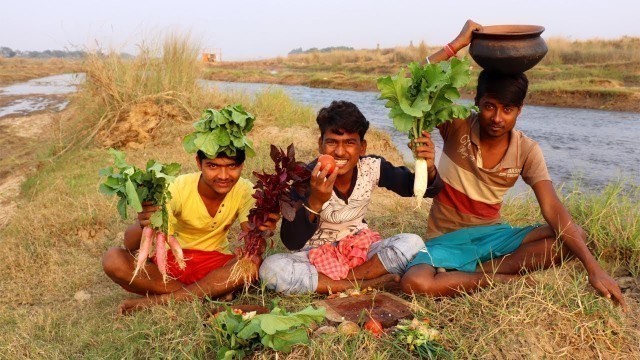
x,y
273,195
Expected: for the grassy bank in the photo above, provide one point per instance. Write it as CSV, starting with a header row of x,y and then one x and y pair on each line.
x,y
57,303
21,69
597,74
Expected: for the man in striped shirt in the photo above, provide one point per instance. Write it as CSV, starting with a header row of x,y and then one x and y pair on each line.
x,y
482,158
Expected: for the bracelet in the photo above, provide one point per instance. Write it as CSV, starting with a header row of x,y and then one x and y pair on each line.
x,y
311,211
449,50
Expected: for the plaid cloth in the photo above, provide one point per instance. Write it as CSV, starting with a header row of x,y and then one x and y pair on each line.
x,y
336,261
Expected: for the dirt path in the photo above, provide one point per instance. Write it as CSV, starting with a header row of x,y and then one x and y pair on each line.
x,y
17,135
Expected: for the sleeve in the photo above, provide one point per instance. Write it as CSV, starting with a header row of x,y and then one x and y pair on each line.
x,y
173,206
535,168
246,201
399,179
444,129
295,234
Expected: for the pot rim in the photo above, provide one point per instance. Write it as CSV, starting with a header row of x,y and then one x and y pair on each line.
x,y
508,31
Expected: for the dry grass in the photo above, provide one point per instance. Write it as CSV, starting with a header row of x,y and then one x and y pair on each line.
x,y
20,69
57,303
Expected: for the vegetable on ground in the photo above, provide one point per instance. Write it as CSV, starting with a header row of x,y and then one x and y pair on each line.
x,y
240,333
135,186
424,101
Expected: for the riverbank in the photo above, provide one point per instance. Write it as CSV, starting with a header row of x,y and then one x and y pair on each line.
x,y
596,74
57,303
13,70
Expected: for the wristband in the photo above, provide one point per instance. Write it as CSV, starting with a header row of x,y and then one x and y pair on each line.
x,y
311,211
449,50
427,60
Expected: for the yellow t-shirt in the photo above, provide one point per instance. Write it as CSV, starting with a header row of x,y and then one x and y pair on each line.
x,y
191,222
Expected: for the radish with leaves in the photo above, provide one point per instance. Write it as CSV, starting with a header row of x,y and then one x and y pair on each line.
x,y
135,186
424,101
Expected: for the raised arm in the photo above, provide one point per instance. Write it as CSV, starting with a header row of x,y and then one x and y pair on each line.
x,y
296,233
557,216
461,41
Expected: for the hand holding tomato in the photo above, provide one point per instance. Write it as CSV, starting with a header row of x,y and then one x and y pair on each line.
x,y
322,179
327,162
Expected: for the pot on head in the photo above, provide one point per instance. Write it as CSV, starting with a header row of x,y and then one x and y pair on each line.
x,y
508,49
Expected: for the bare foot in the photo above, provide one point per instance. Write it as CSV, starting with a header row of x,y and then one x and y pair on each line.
x,y
228,297
381,281
130,306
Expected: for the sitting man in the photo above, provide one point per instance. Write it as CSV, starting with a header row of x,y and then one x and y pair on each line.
x,y
203,207
338,250
482,158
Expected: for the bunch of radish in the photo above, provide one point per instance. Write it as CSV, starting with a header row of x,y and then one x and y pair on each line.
x,y
424,101
134,187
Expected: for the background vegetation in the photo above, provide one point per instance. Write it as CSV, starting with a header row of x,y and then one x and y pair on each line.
x,y
57,303
592,74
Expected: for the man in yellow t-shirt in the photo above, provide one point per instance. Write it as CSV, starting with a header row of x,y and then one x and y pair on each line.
x,y
203,207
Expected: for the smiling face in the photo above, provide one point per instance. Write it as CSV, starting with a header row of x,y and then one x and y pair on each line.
x,y
496,119
219,175
346,149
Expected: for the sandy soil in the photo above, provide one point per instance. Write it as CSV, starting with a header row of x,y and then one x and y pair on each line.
x,y
15,132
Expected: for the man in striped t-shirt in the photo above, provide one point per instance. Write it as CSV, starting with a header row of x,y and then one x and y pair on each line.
x,y
482,158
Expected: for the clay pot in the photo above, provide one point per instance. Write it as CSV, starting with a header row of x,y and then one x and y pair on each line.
x,y
508,49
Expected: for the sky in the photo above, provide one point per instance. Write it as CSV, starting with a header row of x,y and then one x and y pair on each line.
x,y
253,29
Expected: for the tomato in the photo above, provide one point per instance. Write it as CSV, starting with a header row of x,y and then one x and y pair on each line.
x,y
327,161
374,326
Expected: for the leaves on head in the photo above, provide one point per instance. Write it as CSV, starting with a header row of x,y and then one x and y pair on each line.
x,y
221,131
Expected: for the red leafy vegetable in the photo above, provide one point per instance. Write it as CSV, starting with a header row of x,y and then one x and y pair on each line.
x,y
280,192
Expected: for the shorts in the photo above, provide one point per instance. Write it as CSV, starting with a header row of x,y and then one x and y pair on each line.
x,y
199,264
466,248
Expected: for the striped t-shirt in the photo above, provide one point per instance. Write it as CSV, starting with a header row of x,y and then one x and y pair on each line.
x,y
472,195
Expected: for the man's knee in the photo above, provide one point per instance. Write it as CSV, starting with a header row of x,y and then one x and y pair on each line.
x,y
271,270
399,251
115,262
288,273
412,283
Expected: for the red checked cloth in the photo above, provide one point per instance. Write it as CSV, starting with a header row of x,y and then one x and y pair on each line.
x,y
336,261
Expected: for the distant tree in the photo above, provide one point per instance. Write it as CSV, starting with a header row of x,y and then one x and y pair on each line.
x,y
324,50
7,52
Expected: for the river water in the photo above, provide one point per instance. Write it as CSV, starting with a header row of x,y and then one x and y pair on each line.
x,y
593,147
35,94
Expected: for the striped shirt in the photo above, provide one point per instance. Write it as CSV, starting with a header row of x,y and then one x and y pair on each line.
x,y
473,195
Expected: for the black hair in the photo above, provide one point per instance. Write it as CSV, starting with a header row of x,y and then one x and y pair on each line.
x,y
238,158
508,89
342,116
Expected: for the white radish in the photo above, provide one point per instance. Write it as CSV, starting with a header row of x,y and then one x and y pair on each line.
x,y
161,254
143,252
177,251
421,180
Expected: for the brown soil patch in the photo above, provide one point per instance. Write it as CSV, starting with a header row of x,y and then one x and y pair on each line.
x,y
135,127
